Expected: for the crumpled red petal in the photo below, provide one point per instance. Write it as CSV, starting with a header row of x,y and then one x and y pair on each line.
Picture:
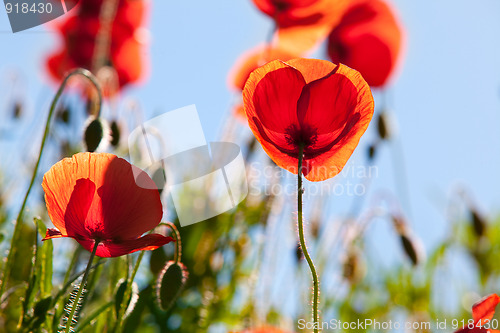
x,y
484,310
108,249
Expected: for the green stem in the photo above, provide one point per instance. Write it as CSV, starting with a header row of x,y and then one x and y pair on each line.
x,y
177,237
303,243
80,290
18,226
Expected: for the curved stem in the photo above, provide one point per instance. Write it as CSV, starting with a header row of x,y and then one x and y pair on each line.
x,y
17,228
177,237
300,223
80,290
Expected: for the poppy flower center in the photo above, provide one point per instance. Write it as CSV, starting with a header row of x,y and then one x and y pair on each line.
x,y
304,135
97,230
281,5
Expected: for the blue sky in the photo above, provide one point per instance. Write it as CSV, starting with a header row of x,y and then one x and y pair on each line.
x,y
446,98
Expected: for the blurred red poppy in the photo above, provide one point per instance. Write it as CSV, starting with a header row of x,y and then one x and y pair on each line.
x,y
81,35
369,39
94,197
313,103
302,24
482,312
249,62
294,12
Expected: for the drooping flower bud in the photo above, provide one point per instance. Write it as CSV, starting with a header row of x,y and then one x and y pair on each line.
x,y
478,222
95,132
170,284
115,133
298,253
385,126
412,248
17,110
372,150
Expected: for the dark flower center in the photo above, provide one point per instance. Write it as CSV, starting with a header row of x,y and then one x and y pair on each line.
x,y
305,135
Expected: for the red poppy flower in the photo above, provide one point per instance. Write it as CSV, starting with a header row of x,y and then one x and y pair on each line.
x,y
81,32
94,197
369,39
302,24
249,62
482,312
324,107
293,12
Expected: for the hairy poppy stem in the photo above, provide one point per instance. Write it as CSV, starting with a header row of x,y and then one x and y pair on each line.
x,y
18,226
80,290
177,237
303,243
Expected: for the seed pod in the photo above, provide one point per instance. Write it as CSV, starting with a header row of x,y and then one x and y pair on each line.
x,y
115,133
372,149
478,222
385,130
94,133
298,253
400,224
170,284
131,302
17,110
412,248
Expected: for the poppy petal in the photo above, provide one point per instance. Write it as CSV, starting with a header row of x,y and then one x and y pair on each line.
x,y
252,60
68,200
96,196
53,233
270,96
312,69
339,107
122,209
484,310
107,249
302,39
368,38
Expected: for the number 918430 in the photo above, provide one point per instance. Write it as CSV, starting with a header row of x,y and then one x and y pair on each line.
x,y
25,8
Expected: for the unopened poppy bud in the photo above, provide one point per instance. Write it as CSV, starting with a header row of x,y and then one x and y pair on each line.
x,y
94,134
120,294
400,224
411,248
170,284
372,149
385,126
17,110
298,253
115,134
478,222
